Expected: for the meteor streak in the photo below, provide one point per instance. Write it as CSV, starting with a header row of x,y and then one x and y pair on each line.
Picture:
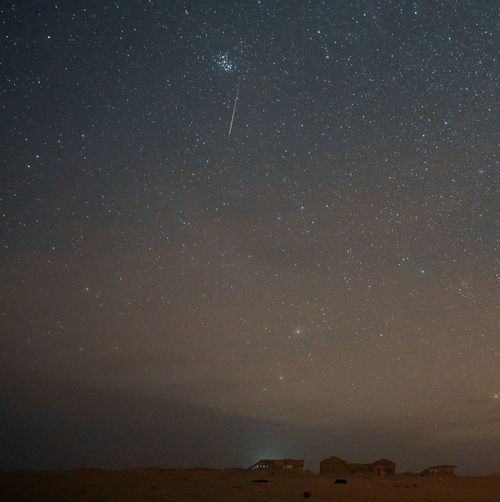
x,y
235,103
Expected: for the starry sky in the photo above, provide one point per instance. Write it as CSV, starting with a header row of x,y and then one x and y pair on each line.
x,y
243,229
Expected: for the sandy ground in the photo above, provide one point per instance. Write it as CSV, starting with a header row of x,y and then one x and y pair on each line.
x,y
204,485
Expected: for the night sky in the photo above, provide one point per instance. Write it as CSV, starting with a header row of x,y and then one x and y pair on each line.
x,y
234,230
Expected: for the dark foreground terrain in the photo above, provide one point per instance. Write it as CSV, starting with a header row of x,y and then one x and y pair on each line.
x,y
206,485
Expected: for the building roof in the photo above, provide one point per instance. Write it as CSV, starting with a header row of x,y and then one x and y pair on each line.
x,y
383,461
336,460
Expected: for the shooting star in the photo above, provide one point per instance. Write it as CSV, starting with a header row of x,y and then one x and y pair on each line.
x,y
235,103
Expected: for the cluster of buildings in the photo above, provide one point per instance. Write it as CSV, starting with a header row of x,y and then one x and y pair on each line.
x,y
337,466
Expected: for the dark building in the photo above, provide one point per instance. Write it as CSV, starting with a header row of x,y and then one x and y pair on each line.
x,y
333,465
383,467
438,470
285,464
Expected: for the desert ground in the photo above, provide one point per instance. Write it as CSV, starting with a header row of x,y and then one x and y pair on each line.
x,y
231,485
